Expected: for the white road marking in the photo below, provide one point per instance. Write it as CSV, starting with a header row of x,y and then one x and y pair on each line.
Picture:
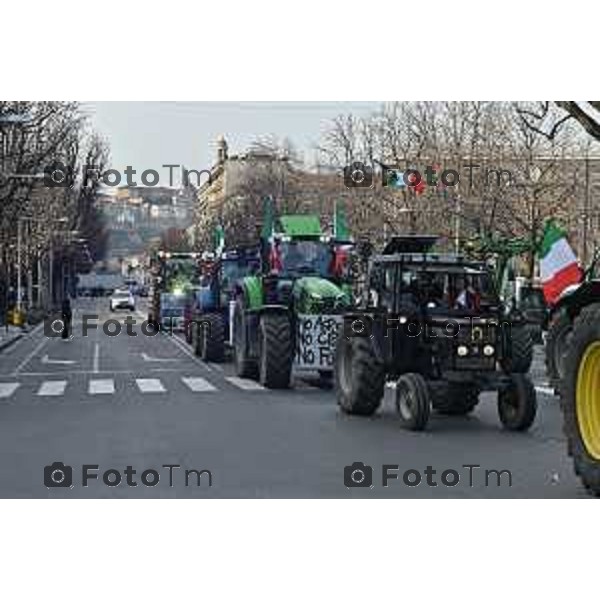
x,y
29,335
198,384
96,365
150,385
185,349
52,388
544,390
147,358
7,389
46,360
245,384
31,355
101,386
88,372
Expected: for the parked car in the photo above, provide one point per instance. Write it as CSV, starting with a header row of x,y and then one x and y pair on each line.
x,y
122,299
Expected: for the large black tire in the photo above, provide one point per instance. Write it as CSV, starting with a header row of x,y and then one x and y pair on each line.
x,y
276,353
210,339
359,376
517,403
413,401
586,335
326,379
559,330
244,366
456,400
520,354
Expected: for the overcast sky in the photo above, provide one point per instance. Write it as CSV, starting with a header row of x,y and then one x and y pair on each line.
x,y
147,135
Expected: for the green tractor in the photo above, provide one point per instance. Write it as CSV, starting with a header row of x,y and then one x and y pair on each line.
x,y
573,362
288,315
563,316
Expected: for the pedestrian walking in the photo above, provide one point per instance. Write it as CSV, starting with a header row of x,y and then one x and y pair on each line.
x,y
67,315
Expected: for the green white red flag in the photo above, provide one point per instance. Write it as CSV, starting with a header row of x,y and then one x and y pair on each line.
x,y
559,267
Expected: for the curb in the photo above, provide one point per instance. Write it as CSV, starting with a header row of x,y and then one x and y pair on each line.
x,y
20,336
13,340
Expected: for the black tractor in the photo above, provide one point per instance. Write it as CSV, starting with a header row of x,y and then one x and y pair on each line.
x,y
433,326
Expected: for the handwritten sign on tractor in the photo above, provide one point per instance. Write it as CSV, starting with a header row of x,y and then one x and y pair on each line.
x,y
316,340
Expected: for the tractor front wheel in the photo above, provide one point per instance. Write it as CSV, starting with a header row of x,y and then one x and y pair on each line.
x,y
517,403
413,401
559,330
276,351
244,366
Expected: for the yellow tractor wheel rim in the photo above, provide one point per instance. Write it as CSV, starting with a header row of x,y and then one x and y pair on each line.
x,y
588,400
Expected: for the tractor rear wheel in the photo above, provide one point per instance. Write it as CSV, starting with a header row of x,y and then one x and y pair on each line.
x,y
521,350
276,350
211,338
359,376
579,392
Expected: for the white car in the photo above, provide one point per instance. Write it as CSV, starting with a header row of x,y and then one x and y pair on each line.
x,y
122,299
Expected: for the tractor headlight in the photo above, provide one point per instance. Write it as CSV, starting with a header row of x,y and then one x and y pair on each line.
x,y
403,320
489,350
462,351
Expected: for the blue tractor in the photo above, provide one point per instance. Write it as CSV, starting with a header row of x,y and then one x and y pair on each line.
x,y
209,306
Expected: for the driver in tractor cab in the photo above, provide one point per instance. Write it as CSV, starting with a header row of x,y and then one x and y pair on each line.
x,y
275,261
339,265
469,298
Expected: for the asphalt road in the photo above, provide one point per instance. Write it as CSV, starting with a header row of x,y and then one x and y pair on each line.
x,y
146,402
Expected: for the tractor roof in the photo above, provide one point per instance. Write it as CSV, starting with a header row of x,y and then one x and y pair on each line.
x,y
301,225
410,244
434,262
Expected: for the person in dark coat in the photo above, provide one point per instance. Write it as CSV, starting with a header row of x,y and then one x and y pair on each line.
x,y
67,315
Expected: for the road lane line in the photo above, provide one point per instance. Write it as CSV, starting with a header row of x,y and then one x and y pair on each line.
x,y
150,385
52,388
96,365
88,372
198,384
7,389
101,386
245,384
30,355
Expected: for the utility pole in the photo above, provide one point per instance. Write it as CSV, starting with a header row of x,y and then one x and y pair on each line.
x,y
19,221
457,217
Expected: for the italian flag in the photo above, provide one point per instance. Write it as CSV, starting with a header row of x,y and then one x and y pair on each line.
x,y
558,264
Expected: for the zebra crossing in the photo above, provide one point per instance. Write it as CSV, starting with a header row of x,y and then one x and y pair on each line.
x,y
105,386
